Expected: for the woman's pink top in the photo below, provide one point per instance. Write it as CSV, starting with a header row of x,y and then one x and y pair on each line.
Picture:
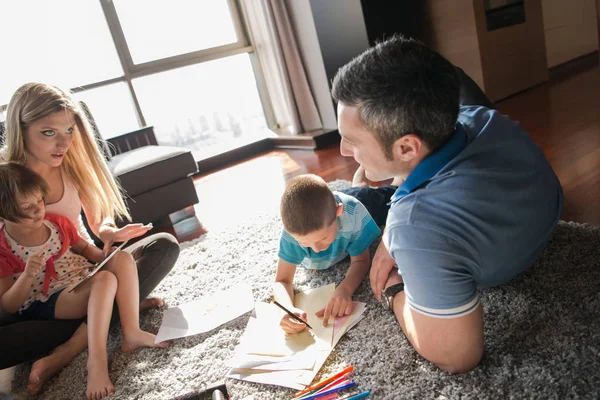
x,y
69,206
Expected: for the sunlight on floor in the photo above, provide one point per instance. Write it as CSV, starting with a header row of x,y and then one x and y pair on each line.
x,y
239,193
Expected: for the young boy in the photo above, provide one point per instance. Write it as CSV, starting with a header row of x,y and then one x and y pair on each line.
x,y
321,227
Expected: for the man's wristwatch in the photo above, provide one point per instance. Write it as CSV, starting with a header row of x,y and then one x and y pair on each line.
x,y
387,296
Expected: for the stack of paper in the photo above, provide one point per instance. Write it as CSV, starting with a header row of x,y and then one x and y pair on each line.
x,y
267,355
206,313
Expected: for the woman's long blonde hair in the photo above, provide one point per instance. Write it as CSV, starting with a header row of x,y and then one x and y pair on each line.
x,y
84,162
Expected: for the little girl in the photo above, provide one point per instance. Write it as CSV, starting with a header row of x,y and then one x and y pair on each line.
x,y
42,256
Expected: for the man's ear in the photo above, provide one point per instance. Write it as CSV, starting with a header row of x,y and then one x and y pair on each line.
x,y
339,209
407,147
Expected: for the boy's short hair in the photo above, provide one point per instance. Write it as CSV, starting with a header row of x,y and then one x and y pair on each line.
x,y
307,205
17,181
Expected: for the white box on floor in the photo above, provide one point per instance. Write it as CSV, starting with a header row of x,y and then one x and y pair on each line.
x,y
6,377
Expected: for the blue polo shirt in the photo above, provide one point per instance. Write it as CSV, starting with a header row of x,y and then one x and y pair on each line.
x,y
473,214
356,230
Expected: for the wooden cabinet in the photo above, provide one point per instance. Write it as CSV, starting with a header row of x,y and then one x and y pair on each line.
x,y
502,60
571,29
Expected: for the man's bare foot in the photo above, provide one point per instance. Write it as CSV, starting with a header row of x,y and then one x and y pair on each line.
x,y
360,178
151,302
98,381
45,368
140,338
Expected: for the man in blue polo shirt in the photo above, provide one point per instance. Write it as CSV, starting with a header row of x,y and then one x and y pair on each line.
x,y
477,206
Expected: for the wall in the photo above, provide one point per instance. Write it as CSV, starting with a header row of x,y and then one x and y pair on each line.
x,y
341,31
304,25
570,29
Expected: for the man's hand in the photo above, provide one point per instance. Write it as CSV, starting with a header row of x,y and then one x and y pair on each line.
x,y
35,262
290,325
380,269
110,235
339,305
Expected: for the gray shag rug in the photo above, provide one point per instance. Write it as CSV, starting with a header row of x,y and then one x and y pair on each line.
x,y
542,330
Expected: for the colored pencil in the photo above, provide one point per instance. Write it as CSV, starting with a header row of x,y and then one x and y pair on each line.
x,y
326,392
324,382
358,396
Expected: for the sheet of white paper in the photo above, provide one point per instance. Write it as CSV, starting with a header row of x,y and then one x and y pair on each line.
x,y
312,301
254,340
262,338
341,325
279,378
206,313
302,360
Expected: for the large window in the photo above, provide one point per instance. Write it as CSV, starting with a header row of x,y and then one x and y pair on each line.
x,y
184,66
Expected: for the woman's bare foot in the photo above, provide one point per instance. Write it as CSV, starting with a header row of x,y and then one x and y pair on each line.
x,y
151,302
140,338
45,368
98,381
41,371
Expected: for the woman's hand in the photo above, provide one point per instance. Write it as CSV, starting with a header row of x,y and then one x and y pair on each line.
x,y
110,235
290,325
339,305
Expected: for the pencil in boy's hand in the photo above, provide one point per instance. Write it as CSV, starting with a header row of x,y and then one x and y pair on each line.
x,y
291,314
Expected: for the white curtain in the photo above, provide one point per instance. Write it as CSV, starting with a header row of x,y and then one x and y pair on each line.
x,y
294,107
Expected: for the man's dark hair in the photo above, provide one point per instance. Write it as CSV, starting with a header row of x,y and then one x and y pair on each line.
x,y
17,181
399,87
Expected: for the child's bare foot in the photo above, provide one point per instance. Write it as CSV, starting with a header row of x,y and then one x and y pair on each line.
x,y
45,368
99,385
135,340
151,302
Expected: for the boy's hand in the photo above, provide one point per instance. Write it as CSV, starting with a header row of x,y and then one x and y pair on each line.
x,y
35,262
290,325
339,305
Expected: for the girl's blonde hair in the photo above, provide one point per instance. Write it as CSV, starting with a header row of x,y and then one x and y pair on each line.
x,y
84,162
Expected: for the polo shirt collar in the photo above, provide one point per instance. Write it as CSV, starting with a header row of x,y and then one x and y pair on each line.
x,y
432,164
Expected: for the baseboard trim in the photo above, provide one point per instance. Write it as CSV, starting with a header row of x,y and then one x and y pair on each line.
x,y
311,141
572,67
306,141
233,156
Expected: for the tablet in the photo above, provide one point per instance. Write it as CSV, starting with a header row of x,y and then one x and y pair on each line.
x,y
99,266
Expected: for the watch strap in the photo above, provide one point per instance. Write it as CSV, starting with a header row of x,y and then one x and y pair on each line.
x,y
390,292
394,289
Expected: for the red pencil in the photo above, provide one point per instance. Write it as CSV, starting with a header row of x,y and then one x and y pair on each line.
x,y
326,381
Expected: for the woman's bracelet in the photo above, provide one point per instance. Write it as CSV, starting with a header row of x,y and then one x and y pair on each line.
x,y
109,224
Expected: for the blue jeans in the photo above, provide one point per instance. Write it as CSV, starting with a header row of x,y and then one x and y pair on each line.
x,y
375,200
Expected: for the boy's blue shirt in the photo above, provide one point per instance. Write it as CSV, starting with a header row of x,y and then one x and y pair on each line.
x,y
356,230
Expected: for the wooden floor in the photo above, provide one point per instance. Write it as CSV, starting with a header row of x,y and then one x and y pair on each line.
x,y
563,117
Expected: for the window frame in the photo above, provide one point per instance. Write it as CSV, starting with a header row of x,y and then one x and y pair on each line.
x,y
132,71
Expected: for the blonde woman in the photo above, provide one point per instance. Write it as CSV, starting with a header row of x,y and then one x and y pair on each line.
x,y
49,133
